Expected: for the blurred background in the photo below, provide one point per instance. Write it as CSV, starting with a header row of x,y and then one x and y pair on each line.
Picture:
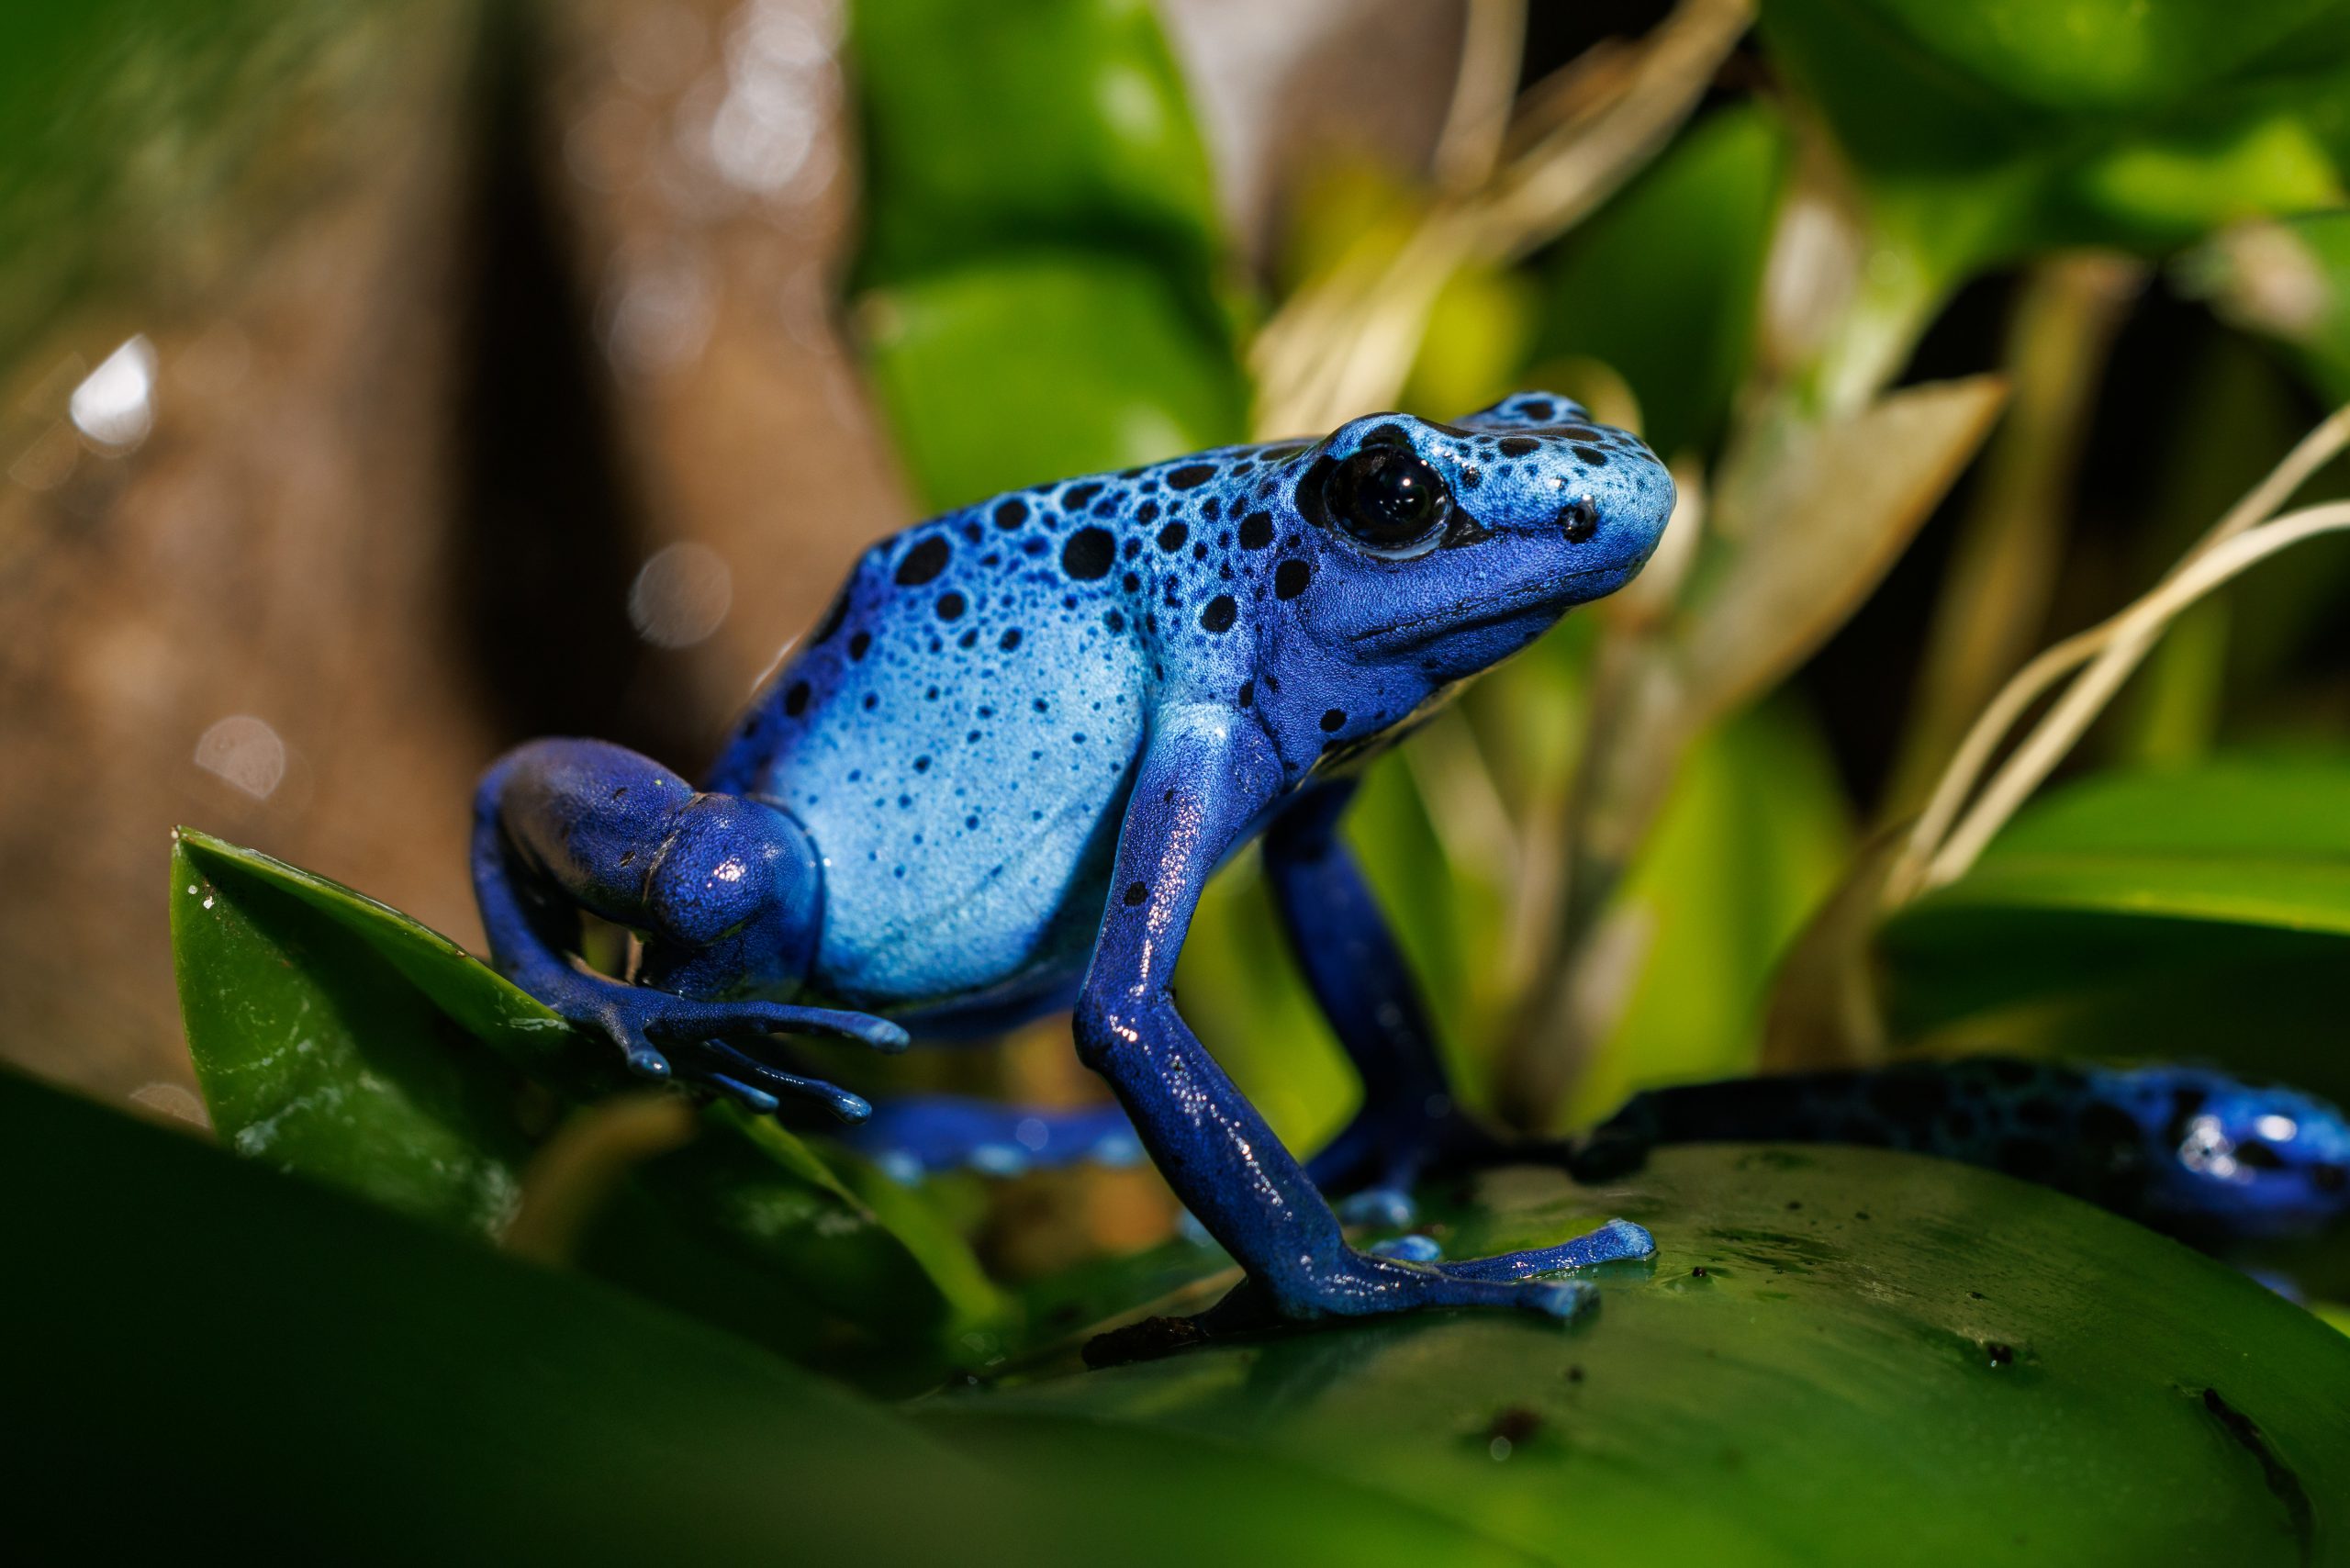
x,y
383,382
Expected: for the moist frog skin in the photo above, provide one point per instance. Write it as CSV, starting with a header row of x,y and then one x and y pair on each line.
x,y
994,779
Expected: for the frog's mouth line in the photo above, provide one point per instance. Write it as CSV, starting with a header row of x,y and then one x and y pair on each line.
x,y
1510,609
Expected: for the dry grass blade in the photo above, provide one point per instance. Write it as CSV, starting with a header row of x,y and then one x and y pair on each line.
x,y
1491,43
2116,650
2002,574
1345,342
2131,635
1816,527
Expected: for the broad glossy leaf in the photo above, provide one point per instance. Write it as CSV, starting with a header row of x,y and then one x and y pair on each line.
x,y
1023,370
206,1354
1818,515
2200,912
1885,1359
2242,840
316,1055
336,1037
1067,128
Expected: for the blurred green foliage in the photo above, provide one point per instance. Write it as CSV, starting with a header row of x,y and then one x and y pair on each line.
x,y
2000,127
1040,245
2198,911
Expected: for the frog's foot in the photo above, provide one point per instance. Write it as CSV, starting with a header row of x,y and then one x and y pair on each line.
x,y
1617,1241
1402,1275
1403,1279
1362,1283
720,1046
1372,1166
914,1136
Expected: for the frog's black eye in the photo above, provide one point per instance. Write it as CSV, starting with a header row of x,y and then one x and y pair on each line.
x,y
2258,1156
1580,518
1387,500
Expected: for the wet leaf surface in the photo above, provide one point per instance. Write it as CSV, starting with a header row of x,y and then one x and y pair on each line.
x,y
339,1040
1837,1356
226,1357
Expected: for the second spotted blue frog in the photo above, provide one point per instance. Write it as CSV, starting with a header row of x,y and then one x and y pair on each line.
x,y
994,779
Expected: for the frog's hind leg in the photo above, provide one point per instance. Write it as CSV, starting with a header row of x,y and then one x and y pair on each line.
x,y
1200,784
923,1133
1408,1125
725,892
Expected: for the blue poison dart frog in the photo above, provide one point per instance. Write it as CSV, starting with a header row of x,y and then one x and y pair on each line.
x,y
2208,1157
993,780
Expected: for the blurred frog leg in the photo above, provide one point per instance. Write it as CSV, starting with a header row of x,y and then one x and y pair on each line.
x,y
1408,1123
913,1136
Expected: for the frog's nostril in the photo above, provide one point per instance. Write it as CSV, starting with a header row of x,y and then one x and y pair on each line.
x,y
1580,518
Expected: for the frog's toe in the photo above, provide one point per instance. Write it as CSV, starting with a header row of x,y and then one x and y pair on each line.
x,y
762,1086
1412,1248
1383,1208
678,1017
1617,1241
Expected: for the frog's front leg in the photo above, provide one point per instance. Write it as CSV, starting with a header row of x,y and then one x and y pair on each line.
x,y
1409,1125
726,892
1204,776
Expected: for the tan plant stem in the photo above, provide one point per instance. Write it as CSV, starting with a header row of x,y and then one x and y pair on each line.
x,y
2003,569
1343,344
1938,851
1493,42
2134,633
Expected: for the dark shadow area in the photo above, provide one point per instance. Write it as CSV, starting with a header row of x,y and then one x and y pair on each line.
x,y
547,532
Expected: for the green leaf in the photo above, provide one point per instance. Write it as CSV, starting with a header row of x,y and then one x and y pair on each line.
x,y
1020,371
1068,127
1887,1359
336,1037
262,1363
1662,283
1754,836
317,1055
2248,841
2199,912
1995,130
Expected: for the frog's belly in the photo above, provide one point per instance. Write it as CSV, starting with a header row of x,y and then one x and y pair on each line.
x,y
954,867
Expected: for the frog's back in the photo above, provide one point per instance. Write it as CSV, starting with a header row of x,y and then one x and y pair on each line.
x,y
957,735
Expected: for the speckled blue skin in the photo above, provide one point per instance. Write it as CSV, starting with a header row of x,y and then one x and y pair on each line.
x,y
994,781
2208,1157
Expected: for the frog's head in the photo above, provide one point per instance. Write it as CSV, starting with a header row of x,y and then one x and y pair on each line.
x,y
2262,1159
1445,548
